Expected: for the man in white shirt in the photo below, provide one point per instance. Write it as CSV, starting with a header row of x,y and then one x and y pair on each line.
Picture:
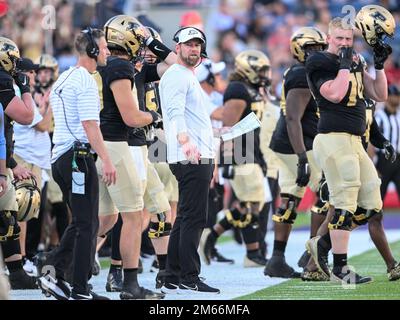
x,y
76,107
190,153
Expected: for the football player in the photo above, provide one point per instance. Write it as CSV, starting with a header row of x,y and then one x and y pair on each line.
x,y
292,142
321,244
125,38
21,111
340,84
154,198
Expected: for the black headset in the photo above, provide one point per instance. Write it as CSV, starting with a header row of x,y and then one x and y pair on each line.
x,y
92,49
203,52
210,77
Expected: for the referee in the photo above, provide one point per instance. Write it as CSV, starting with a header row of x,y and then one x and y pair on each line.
x,y
388,120
190,155
76,107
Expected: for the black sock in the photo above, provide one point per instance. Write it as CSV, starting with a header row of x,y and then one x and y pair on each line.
x,y
279,248
214,234
325,242
339,261
115,267
252,253
250,233
13,266
162,261
115,236
130,276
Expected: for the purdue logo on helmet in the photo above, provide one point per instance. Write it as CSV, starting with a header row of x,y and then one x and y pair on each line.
x,y
375,23
304,37
125,33
28,198
253,65
9,54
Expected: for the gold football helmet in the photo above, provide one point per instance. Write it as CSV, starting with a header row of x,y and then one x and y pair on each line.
x,y
254,66
126,33
47,61
375,22
28,198
9,54
303,37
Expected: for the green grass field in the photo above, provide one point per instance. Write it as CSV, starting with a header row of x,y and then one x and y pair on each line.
x,y
369,263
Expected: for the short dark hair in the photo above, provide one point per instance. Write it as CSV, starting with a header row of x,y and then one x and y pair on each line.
x,y
82,41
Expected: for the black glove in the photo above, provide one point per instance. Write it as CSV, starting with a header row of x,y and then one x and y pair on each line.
x,y
157,120
381,53
22,81
390,153
345,57
303,170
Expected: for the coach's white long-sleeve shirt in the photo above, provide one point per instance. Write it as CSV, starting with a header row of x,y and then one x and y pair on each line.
x,y
184,108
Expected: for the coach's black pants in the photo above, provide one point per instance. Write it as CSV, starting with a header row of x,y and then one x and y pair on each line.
x,y
183,261
78,243
389,172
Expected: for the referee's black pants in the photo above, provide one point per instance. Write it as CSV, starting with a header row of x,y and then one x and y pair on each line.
x,y
78,243
389,172
183,261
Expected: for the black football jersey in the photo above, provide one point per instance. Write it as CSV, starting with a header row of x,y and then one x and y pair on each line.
x,y
112,125
295,78
246,147
9,136
148,99
349,114
7,92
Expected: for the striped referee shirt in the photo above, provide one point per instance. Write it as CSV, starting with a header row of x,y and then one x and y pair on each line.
x,y
74,98
389,125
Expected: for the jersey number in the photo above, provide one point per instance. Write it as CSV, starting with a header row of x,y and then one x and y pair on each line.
x,y
151,102
357,89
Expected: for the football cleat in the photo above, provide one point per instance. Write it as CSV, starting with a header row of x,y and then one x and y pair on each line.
x,y
277,267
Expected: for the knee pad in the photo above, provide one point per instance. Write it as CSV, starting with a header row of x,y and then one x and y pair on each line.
x,y
9,228
159,229
287,214
362,216
237,219
341,220
320,208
